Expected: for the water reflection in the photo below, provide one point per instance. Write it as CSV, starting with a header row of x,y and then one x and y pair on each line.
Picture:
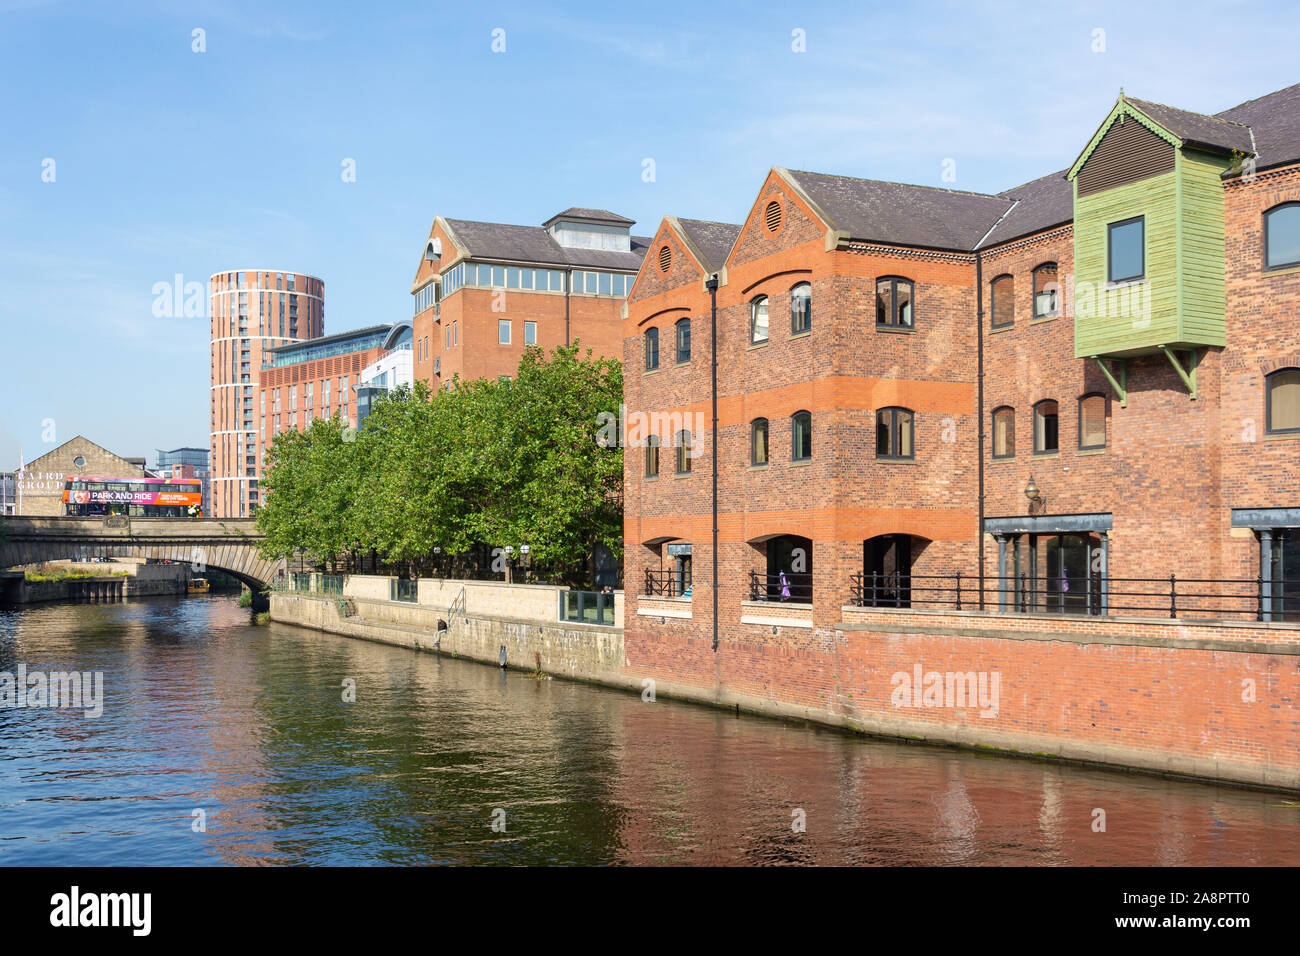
x,y
204,711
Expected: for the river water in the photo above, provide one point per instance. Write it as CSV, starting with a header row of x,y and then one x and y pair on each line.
x,y
448,761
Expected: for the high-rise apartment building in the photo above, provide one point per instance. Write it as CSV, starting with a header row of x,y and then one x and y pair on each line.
x,y
251,311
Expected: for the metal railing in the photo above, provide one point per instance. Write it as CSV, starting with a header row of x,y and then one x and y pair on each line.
x,y
301,581
667,583
402,589
1254,599
329,583
795,586
587,607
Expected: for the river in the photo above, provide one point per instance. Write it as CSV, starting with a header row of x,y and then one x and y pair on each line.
x,y
224,742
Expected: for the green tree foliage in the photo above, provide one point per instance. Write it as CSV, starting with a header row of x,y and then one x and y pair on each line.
x,y
483,462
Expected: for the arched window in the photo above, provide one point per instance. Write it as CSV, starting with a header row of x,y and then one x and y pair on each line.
x,y
683,442
1046,291
758,441
894,433
894,302
1046,428
1282,236
652,456
1092,421
758,320
1282,401
651,349
801,436
1004,432
1002,302
683,341
800,308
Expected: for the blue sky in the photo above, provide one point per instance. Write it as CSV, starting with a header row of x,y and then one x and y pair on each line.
x,y
169,161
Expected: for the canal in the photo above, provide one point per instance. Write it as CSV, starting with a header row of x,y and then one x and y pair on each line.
x,y
204,711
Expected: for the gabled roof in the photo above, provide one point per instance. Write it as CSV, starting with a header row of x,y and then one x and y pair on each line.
x,y
873,211
712,240
1275,122
1197,129
535,244
1039,204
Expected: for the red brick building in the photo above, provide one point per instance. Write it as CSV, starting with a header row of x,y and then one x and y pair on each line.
x,y
1065,394
252,310
486,291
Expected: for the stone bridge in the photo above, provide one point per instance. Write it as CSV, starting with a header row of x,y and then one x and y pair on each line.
x,y
228,545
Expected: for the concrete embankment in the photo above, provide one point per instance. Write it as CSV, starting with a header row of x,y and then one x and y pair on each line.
x,y
98,581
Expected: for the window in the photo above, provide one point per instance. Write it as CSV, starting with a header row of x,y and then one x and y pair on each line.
x,y
800,308
530,333
1092,421
801,436
758,320
1282,236
683,341
894,433
1002,302
503,331
1046,291
651,349
652,456
894,302
683,442
758,441
1126,250
1046,433
1004,432
1282,412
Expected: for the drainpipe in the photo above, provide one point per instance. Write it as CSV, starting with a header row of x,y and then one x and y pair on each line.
x,y
979,412
568,292
712,286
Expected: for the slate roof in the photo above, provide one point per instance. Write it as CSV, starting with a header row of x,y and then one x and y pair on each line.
x,y
495,240
713,239
1275,121
873,211
590,215
1039,204
1197,129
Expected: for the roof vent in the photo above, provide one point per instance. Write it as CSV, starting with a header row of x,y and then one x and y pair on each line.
x,y
433,250
773,216
665,258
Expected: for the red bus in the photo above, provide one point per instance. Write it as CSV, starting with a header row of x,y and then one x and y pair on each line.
x,y
85,496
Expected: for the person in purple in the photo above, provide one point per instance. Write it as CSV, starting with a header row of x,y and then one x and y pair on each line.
x,y
785,587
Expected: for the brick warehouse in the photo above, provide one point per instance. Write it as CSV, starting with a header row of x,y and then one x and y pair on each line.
x,y
485,291
1072,391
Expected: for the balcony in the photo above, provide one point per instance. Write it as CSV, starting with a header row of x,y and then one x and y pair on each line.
x,y
668,583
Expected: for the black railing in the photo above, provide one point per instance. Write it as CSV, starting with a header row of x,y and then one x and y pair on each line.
x,y
795,586
1254,599
667,583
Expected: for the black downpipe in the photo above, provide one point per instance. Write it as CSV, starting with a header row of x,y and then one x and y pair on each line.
x,y
712,286
568,293
979,412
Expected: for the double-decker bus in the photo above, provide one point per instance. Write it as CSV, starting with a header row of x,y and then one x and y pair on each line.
x,y
85,496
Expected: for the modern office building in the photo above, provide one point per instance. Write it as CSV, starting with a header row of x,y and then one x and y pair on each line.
x,y
486,291
1081,395
252,311
392,370
301,382
186,463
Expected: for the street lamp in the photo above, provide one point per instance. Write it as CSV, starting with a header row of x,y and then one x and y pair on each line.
x,y
524,550
1032,492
